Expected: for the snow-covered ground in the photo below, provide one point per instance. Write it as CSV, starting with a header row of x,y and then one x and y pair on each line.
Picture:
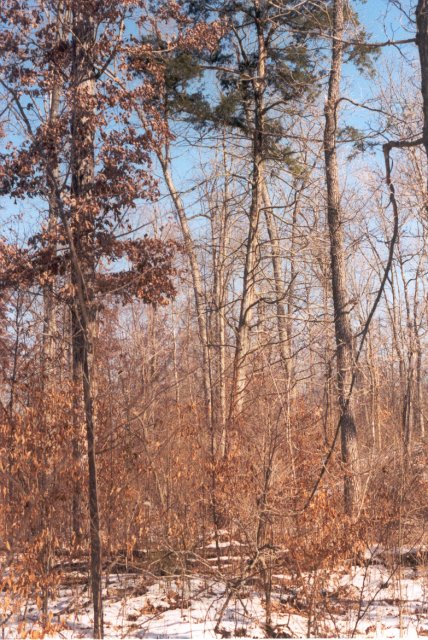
x,y
368,602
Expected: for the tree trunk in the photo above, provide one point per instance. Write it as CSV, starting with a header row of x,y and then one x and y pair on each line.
x,y
420,418
219,230
48,361
82,176
78,437
408,409
278,278
196,280
248,299
422,43
343,332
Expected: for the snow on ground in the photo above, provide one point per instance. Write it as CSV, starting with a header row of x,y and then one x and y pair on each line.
x,y
371,602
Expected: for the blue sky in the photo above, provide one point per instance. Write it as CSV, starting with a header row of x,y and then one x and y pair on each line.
x,y
382,21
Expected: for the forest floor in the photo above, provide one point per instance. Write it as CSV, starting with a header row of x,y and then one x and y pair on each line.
x,y
370,601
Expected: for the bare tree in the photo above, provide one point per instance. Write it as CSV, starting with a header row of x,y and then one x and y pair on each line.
x,y
341,302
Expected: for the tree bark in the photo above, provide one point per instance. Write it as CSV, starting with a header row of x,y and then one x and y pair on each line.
x,y
82,176
422,43
341,305
278,278
248,298
216,324
48,361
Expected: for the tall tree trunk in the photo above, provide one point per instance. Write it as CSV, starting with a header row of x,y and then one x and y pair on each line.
x,y
219,224
278,278
422,43
397,347
292,285
48,360
82,176
200,306
374,395
416,323
198,292
248,299
408,409
78,437
343,332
